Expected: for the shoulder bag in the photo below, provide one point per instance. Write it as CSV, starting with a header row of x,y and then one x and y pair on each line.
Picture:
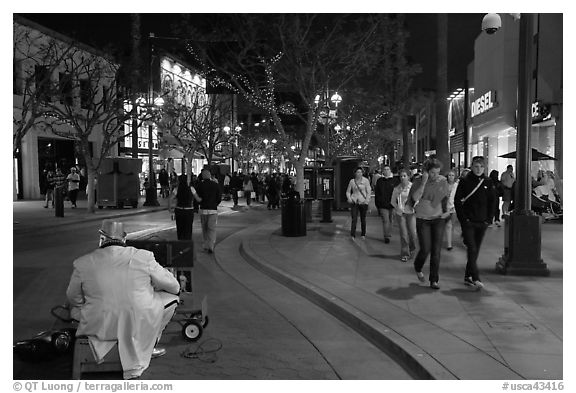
x,y
359,189
473,191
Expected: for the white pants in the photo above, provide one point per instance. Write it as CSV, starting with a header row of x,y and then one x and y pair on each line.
x,y
209,222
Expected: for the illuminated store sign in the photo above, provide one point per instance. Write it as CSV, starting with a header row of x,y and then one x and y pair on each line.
x,y
484,103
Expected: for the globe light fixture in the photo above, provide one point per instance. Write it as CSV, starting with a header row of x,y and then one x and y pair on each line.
x,y
336,99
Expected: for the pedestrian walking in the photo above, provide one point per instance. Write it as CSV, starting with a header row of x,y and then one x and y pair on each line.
x,y
182,200
382,198
429,197
50,183
210,198
235,187
358,194
173,180
507,179
272,192
73,180
248,188
60,183
404,214
226,185
164,180
375,178
474,202
498,193
449,229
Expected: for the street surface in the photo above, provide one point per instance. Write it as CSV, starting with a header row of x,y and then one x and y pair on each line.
x,y
258,328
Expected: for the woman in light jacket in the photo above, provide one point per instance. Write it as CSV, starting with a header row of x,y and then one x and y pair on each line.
x,y
358,195
405,217
429,196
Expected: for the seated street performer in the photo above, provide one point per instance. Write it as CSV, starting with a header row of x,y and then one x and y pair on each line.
x,y
121,294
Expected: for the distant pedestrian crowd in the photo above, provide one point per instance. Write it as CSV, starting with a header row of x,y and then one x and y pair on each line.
x,y
67,184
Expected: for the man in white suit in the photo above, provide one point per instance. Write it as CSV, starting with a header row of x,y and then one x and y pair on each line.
x,y
121,294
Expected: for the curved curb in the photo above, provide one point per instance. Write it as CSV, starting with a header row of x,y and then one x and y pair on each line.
x,y
418,363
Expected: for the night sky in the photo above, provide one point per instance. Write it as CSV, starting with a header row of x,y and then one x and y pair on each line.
x,y
99,29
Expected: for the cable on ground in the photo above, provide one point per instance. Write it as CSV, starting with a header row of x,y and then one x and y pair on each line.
x,y
204,351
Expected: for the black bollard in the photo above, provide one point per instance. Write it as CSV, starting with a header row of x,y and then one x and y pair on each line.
x,y
59,201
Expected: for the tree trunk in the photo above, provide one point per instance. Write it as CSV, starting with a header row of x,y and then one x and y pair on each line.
x,y
442,93
189,157
90,186
299,166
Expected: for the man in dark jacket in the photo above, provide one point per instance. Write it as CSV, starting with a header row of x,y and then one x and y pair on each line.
x,y
382,196
210,197
474,202
235,186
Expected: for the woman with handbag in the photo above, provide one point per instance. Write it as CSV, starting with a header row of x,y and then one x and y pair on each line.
x,y
358,195
404,214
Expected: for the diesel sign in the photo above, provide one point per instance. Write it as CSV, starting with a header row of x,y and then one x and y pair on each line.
x,y
483,104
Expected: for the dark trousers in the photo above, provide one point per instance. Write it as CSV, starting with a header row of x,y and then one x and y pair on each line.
x,y
496,216
354,210
473,233
234,193
184,219
430,234
73,195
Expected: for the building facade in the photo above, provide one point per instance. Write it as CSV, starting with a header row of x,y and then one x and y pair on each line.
x,y
42,58
493,94
482,113
177,83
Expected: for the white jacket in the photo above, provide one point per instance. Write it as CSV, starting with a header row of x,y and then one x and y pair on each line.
x,y
114,294
359,192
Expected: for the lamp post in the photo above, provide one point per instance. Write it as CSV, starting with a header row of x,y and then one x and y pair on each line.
x,y
151,192
330,115
232,140
523,228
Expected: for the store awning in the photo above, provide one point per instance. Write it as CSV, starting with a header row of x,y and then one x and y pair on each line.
x,y
536,155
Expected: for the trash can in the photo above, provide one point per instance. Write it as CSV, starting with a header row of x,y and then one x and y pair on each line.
x,y
293,217
59,201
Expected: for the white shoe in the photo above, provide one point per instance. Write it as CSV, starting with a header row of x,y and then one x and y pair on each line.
x,y
157,352
478,284
363,237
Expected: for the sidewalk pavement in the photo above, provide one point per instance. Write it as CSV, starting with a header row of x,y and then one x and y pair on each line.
x,y
30,215
512,329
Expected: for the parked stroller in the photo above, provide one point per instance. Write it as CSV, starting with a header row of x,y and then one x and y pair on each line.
x,y
544,206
